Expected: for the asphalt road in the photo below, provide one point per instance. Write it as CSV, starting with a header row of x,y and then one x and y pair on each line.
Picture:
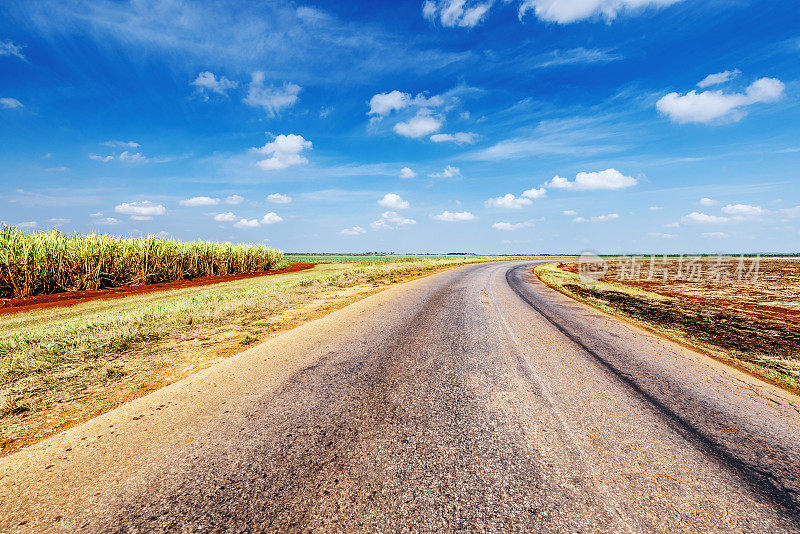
x,y
472,400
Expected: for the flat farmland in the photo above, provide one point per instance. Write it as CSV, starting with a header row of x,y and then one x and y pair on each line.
x,y
745,311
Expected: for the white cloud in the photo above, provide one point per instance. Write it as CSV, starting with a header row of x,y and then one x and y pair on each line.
x,y
57,221
10,103
131,156
285,151
391,220
661,235
655,208
271,218
599,218
535,193
106,221
10,49
27,225
207,81
450,13
570,213
510,227
122,144
608,179
271,99
393,202
742,210
508,201
407,173
383,104
247,223
714,235
233,200
277,198
420,125
705,201
448,172
199,201
104,159
353,230
703,218
460,138
716,106
718,78
566,11
144,208
225,217
458,216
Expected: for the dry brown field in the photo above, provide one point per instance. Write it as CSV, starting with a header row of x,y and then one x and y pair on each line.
x,y
746,308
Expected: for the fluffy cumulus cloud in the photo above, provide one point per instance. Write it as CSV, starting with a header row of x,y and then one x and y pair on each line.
x,y
10,103
457,216
703,218
420,125
140,211
391,220
608,179
510,227
104,159
247,223
459,138
448,172
225,217
450,13
393,201
271,218
718,78
353,230
508,201
705,201
284,151
570,213
567,11
270,98
106,221
742,210
710,107
383,104
277,198
406,173
8,48
234,200
207,82
199,201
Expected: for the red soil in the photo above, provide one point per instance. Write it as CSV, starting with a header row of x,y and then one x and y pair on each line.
x,y
71,298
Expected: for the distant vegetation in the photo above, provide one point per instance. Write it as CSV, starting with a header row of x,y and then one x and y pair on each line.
x,y
51,262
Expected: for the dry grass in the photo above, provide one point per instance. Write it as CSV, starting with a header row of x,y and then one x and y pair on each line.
x,y
65,365
49,262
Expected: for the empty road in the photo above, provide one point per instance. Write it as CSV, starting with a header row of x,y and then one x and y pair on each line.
x,y
476,399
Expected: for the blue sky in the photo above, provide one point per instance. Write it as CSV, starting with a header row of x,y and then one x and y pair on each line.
x,y
494,126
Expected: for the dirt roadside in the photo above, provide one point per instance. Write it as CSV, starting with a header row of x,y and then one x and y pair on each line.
x,y
70,298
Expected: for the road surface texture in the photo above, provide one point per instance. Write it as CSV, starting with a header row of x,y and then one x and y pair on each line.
x,y
472,400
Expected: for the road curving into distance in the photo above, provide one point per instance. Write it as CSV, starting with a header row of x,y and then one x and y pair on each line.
x,y
474,399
